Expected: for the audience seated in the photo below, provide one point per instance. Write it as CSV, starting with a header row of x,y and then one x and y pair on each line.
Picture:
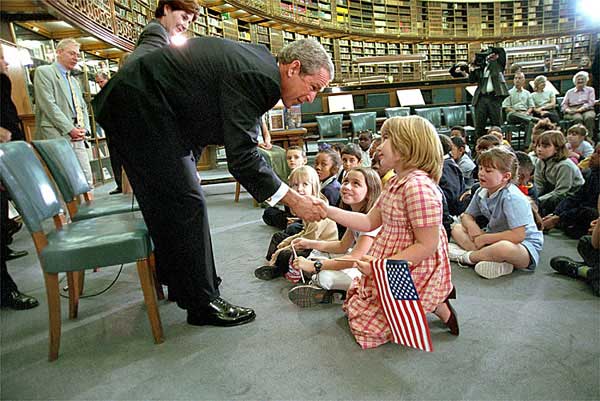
x,y
556,176
576,211
578,104
519,104
538,129
463,160
365,139
544,102
351,157
578,143
327,165
588,248
458,131
451,182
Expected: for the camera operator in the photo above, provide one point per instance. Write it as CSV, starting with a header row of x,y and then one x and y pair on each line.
x,y
487,70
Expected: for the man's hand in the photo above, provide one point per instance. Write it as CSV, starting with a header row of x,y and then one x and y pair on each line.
x,y
265,145
77,134
306,209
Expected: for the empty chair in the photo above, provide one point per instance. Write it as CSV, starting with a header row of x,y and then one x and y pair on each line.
x,y
68,175
432,114
455,115
397,112
71,248
363,122
330,129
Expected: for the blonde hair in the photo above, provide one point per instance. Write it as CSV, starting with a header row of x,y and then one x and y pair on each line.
x,y
416,141
310,174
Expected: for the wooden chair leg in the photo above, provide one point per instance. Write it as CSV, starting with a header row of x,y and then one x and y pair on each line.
x,y
73,279
157,285
52,293
81,281
238,189
145,274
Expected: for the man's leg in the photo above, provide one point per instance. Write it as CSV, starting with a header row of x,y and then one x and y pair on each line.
x,y
495,110
82,157
117,167
480,117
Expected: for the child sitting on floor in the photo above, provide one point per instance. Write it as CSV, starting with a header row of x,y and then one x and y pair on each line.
x,y
274,216
578,144
351,157
556,176
365,140
360,190
327,165
511,238
409,212
305,181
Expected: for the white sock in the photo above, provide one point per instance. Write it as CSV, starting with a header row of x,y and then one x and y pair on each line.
x,y
467,257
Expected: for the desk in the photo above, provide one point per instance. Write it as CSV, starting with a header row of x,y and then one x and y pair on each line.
x,y
294,136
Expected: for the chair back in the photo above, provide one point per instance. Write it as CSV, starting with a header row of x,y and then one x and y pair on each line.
x,y
364,121
29,186
455,115
397,112
432,114
60,158
330,125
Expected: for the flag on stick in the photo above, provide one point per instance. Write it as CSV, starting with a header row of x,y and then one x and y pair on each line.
x,y
401,304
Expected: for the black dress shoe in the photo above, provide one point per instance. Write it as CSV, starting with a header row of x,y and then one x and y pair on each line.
x,y
565,265
220,313
452,322
10,254
13,226
116,191
19,301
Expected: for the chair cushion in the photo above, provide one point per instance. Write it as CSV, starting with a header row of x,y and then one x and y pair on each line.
x,y
105,241
113,204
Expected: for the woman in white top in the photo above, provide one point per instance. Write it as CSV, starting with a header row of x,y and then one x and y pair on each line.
x,y
544,100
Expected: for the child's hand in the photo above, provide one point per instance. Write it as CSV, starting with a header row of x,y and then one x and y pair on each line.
x,y
301,263
364,265
480,241
474,232
301,243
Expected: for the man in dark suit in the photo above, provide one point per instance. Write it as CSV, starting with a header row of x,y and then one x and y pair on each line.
x,y
491,90
171,102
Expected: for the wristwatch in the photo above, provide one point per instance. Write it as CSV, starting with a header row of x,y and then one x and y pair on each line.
x,y
318,266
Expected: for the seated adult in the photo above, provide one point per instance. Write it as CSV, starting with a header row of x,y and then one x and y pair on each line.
x,y
578,104
519,104
544,101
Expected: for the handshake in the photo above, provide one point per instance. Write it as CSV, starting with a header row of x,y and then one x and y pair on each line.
x,y
307,208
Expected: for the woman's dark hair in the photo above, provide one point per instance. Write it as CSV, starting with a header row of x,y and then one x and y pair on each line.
x,y
189,6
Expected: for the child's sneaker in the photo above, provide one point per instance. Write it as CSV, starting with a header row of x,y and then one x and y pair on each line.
x,y
267,272
492,270
306,296
455,252
464,261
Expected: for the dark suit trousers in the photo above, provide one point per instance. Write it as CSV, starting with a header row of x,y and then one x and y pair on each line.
x,y
116,164
162,172
6,282
487,107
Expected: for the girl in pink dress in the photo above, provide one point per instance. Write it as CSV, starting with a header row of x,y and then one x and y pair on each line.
x,y
410,213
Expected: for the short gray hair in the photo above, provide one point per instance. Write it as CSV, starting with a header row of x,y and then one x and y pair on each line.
x,y
310,53
540,79
583,74
67,42
102,75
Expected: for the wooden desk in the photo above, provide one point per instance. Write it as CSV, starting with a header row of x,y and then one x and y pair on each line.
x,y
288,137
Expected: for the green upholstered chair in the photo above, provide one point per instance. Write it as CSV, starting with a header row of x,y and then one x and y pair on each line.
x,y
70,180
71,248
455,115
330,129
363,122
397,112
432,114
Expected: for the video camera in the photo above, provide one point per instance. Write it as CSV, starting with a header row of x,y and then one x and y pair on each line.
x,y
481,57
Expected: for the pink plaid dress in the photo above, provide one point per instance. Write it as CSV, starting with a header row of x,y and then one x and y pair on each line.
x,y
406,202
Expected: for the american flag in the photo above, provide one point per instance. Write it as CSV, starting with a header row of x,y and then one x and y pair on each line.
x,y
401,304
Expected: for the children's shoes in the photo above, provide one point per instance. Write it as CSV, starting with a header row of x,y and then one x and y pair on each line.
x,y
492,270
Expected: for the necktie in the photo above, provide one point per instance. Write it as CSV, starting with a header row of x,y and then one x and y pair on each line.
x,y
76,103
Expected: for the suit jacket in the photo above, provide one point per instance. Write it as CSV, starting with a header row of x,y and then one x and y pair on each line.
x,y
54,104
153,37
9,118
496,69
210,91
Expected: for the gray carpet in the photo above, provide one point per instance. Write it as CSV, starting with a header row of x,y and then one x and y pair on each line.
x,y
525,336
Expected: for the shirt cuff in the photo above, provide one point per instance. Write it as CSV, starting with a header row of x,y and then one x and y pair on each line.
x,y
277,196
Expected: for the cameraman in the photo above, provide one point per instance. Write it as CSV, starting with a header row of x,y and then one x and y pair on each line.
x,y
487,70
